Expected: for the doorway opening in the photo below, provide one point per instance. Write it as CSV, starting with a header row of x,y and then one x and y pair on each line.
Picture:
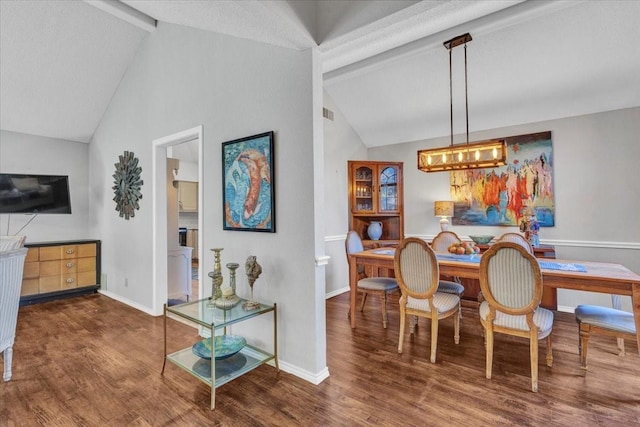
x,y
166,244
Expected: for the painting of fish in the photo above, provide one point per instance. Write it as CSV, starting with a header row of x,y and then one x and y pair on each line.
x,y
248,183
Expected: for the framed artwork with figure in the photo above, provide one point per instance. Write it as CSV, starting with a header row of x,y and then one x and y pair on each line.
x,y
504,195
248,187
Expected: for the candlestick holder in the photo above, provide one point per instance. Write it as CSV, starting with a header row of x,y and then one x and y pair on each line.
x,y
216,277
229,299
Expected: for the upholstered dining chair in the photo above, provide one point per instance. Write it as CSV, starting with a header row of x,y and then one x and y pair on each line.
x,y
441,243
381,286
12,256
511,281
602,320
417,272
518,239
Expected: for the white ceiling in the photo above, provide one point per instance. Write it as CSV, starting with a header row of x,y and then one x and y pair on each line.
x,y
385,66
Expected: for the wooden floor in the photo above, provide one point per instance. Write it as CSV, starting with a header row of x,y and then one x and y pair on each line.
x,y
92,361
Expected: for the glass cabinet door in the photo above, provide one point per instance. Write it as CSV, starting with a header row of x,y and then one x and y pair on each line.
x,y
388,201
364,189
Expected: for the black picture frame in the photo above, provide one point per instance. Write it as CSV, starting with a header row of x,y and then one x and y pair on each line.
x,y
248,184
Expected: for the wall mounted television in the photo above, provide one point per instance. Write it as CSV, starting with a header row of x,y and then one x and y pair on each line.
x,y
35,194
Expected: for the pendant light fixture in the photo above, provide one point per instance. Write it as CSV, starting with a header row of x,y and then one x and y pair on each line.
x,y
485,154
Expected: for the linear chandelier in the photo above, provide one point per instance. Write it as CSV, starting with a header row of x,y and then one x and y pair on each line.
x,y
484,154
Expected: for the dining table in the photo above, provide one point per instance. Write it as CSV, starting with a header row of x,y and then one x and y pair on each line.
x,y
591,276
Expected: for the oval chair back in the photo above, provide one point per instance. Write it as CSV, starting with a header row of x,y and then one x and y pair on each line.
x,y
443,240
517,239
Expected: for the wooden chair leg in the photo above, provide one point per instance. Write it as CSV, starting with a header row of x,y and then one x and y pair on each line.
x,y
434,337
489,351
533,349
384,310
402,320
584,343
364,299
616,302
456,329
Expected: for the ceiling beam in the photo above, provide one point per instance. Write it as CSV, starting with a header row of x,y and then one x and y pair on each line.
x,y
126,13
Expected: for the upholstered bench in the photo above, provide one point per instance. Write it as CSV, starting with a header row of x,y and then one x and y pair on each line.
x,y
602,320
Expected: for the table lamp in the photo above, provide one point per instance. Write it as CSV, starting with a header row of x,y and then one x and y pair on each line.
x,y
443,209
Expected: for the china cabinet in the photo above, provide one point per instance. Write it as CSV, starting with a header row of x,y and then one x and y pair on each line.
x,y
376,196
229,360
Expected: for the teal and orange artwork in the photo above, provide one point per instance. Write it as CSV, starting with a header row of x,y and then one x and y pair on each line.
x,y
248,183
502,195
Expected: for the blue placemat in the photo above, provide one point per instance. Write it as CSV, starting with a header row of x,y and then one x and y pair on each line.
x,y
461,258
384,251
547,265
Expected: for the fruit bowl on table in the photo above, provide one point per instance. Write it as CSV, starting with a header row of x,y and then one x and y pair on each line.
x,y
481,240
463,248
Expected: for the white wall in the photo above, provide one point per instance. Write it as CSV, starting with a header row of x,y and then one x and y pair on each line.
x,y
595,161
182,78
22,153
341,143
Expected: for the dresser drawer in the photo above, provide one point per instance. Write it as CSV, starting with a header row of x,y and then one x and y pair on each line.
x,y
50,284
30,286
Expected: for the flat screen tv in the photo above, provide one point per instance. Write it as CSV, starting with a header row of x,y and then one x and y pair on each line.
x,y
36,194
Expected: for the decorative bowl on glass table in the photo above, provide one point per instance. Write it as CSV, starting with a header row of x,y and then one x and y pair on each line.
x,y
225,346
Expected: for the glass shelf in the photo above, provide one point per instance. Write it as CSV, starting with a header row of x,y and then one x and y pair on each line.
x,y
202,313
226,370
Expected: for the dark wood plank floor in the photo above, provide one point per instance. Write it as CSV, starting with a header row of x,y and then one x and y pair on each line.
x,y
92,361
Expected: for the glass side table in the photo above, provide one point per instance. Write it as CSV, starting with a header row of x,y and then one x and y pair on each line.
x,y
218,372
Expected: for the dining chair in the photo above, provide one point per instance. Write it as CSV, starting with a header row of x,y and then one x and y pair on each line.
x,y
381,286
518,239
605,321
511,282
12,256
441,243
417,272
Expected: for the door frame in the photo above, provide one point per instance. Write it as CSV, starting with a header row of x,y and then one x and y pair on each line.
x,y
160,247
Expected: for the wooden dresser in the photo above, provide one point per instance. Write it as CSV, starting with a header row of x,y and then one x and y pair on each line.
x,y
60,269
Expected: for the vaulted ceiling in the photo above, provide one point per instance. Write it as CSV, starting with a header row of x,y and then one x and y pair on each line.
x,y
385,66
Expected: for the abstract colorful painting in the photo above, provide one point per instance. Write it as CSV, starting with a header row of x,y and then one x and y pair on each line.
x,y
248,186
499,196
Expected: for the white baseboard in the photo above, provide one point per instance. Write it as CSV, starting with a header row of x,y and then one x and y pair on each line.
x,y
566,309
314,379
337,292
128,302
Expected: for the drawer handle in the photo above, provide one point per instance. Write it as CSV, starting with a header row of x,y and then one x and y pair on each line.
x,y
69,265
69,251
70,280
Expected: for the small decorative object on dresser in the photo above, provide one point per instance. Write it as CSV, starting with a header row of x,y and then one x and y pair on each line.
x,y
253,271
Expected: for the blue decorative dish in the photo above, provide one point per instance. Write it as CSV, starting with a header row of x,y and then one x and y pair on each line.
x,y
225,345
482,240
